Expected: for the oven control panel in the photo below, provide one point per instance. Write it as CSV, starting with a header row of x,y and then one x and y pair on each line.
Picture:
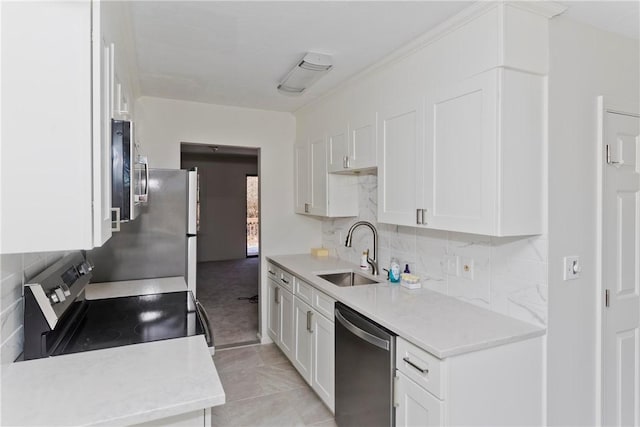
x,y
59,285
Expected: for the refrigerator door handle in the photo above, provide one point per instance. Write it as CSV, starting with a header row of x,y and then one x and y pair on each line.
x,y
208,335
192,202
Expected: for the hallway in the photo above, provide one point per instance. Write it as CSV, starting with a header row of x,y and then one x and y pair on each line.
x,y
219,286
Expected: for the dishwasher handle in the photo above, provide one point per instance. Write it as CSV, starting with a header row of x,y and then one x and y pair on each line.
x,y
364,335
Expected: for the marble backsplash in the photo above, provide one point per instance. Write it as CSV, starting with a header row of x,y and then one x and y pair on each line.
x,y
510,273
15,271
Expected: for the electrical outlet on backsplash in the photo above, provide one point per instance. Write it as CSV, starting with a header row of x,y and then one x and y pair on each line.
x,y
509,274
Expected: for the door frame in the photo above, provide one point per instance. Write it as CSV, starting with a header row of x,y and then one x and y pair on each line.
x,y
605,104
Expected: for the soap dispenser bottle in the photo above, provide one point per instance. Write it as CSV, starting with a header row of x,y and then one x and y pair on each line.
x,y
394,271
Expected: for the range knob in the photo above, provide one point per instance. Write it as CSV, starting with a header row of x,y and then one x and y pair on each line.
x,y
58,295
85,267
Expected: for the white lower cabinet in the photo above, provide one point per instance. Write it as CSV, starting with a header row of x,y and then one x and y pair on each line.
x,y
323,373
499,386
305,332
285,339
414,405
273,309
303,339
280,316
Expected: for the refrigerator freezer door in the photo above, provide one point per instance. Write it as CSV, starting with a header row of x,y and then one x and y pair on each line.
x,y
192,262
192,203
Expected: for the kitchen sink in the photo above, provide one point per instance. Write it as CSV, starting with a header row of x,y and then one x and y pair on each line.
x,y
347,279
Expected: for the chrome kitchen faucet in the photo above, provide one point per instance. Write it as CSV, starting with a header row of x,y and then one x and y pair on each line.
x,y
372,262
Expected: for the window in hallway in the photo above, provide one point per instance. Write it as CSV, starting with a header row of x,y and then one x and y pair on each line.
x,y
253,225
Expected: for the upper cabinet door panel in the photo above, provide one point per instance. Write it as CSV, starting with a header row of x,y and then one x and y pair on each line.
x,y
362,141
301,176
46,126
400,135
318,164
460,155
338,151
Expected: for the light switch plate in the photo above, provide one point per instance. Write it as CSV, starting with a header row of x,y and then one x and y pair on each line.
x,y
572,267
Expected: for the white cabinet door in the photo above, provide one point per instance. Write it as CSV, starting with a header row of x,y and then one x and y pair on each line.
x,y
483,157
323,359
318,176
301,177
400,138
362,139
338,149
55,177
416,406
285,340
303,342
273,310
460,156
103,103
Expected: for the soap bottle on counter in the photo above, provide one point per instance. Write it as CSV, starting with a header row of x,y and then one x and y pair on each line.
x,y
364,265
394,271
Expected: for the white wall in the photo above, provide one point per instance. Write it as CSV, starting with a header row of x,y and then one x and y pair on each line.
x,y
163,124
585,63
223,204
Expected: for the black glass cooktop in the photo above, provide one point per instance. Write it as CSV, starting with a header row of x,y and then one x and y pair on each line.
x,y
121,321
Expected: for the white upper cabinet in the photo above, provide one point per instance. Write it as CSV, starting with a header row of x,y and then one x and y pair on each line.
x,y
318,174
301,177
483,155
454,126
352,135
56,179
400,134
362,141
316,191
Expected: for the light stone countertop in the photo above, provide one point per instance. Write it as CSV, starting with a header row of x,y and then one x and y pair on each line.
x,y
128,288
116,386
442,325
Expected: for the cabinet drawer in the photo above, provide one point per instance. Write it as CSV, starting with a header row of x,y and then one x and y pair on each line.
x,y
286,280
423,368
323,304
273,272
303,290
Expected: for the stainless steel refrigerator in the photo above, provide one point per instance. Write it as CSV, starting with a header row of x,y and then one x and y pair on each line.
x,y
162,241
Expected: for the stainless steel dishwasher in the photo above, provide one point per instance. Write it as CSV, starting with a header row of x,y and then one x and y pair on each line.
x,y
365,364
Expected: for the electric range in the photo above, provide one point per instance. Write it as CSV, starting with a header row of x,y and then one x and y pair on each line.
x,y
59,320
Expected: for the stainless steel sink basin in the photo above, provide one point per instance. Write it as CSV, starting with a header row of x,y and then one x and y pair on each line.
x,y
347,279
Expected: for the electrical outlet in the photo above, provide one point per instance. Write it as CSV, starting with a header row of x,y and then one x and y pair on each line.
x,y
451,264
572,267
467,268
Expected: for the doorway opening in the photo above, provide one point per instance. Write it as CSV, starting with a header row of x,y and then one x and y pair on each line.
x,y
228,240
253,216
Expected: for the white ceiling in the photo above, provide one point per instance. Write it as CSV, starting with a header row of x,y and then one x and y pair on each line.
x,y
236,52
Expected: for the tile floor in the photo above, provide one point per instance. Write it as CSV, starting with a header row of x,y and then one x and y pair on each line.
x,y
219,285
264,389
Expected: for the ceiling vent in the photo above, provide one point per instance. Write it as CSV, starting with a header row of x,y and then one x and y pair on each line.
x,y
305,73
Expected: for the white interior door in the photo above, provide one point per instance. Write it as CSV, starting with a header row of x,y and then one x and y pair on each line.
x,y
621,271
